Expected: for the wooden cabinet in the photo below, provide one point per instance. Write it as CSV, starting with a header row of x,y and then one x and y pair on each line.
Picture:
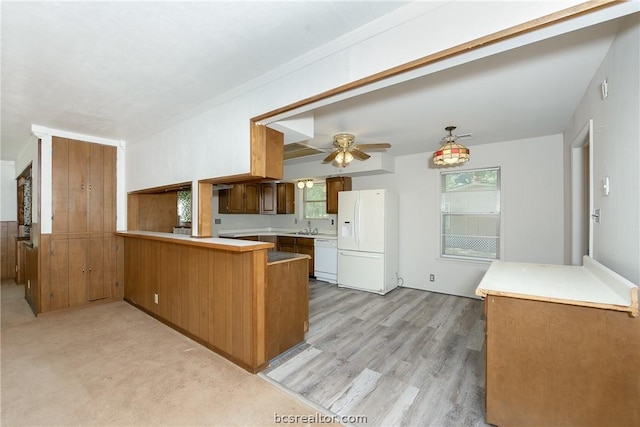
x,y
83,185
269,198
287,305
560,364
286,198
298,245
78,259
306,246
257,198
334,185
287,244
240,199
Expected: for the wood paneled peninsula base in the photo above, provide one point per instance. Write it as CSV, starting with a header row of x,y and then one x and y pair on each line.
x,y
563,346
224,293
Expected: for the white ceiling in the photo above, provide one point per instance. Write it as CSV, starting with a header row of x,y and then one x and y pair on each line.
x,y
121,70
522,93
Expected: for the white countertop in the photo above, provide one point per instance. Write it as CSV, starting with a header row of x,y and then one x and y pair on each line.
x,y
590,285
213,242
275,232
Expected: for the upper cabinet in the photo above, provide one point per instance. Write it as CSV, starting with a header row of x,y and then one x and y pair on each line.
x,y
286,198
257,198
240,199
84,187
334,185
267,152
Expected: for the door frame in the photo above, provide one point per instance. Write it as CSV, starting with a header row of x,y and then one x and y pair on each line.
x,y
581,209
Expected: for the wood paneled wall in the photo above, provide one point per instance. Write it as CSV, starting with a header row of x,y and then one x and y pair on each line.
x,y
152,212
214,296
8,233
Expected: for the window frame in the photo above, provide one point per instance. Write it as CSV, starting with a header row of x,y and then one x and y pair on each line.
x,y
323,201
500,214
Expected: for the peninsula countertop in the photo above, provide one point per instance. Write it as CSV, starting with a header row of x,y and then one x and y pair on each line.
x,y
322,234
233,245
591,284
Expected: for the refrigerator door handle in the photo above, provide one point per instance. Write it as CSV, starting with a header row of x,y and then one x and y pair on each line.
x,y
360,255
356,220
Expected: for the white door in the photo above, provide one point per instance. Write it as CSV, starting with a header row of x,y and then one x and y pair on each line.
x,y
370,218
347,217
361,270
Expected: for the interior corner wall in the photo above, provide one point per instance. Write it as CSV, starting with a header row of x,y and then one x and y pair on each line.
x,y
616,152
9,202
532,211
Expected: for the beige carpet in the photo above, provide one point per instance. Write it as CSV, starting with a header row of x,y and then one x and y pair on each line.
x,y
112,365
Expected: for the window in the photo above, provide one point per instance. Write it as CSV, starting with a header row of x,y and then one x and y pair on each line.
x,y
470,214
184,206
315,201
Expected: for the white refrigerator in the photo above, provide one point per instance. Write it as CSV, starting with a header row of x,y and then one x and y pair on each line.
x,y
368,240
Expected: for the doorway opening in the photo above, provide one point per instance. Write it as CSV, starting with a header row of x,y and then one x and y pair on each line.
x,y
581,194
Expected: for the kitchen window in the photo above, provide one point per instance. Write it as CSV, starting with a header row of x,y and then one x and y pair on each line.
x,y
315,201
470,214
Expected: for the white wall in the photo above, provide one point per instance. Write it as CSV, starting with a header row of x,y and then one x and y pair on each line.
x,y
616,239
532,216
215,141
9,198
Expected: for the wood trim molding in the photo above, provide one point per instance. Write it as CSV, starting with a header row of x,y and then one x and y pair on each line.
x,y
164,188
529,26
205,209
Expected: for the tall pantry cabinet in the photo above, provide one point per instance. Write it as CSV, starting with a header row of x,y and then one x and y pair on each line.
x,y
78,258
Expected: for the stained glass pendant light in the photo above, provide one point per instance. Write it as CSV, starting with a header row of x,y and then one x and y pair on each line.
x,y
450,153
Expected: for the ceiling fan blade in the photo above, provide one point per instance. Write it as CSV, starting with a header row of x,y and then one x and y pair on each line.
x,y
331,156
359,154
379,146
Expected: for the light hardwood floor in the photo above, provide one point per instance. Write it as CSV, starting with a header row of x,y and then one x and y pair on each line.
x,y
410,358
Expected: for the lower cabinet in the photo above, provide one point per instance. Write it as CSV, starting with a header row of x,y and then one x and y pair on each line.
x,y
298,245
560,364
81,269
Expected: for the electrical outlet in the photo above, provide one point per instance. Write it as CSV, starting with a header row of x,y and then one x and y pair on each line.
x,y
28,284
155,298
432,277
217,221
331,222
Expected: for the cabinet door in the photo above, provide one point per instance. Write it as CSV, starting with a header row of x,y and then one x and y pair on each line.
x,y
287,244
59,274
79,157
223,201
335,185
95,211
235,202
251,198
286,198
110,183
268,198
306,246
60,185
97,268
78,271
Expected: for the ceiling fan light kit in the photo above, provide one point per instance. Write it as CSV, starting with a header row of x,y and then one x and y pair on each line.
x,y
345,151
450,153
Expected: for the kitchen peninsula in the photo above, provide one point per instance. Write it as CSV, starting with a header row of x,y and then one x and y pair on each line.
x,y
562,345
233,296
